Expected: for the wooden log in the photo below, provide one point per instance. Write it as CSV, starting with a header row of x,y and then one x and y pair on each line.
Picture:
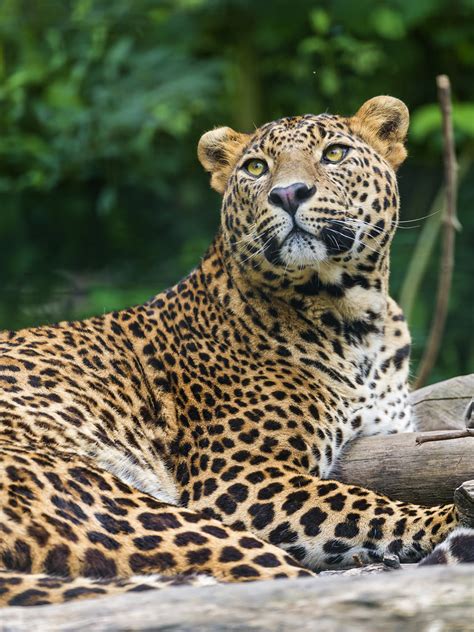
x,y
431,598
397,466
442,406
426,474
464,501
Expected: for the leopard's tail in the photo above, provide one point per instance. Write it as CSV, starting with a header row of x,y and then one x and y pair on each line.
x,y
21,589
457,548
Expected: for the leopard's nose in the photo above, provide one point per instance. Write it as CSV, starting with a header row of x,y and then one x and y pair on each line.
x,y
289,198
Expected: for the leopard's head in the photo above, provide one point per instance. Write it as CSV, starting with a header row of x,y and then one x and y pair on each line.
x,y
310,193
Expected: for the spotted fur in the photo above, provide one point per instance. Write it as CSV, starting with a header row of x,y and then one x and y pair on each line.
x,y
195,435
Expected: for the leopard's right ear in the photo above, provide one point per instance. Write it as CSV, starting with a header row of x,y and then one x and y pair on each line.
x,y
383,123
218,151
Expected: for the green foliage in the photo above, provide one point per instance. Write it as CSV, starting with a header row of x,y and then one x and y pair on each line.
x,y
102,103
84,93
426,123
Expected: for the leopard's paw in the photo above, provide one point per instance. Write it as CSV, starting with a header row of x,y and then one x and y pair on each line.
x,y
388,561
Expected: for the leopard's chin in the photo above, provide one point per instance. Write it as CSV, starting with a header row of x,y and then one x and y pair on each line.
x,y
302,250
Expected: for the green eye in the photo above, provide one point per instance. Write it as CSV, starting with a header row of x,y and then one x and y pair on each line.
x,y
335,153
256,167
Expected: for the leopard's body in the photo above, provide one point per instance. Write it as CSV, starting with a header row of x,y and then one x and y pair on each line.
x,y
196,434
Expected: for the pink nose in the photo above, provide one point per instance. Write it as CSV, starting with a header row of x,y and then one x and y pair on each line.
x,y
289,198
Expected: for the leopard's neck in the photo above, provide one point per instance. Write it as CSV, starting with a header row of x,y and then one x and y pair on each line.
x,y
348,294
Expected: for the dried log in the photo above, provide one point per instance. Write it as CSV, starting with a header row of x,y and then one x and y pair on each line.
x,y
442,406
464,501
433,598
423,467
396,465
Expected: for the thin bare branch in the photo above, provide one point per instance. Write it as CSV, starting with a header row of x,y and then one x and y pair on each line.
x,y
444,436
450,225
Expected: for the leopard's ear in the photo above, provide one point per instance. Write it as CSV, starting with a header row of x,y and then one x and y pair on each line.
x,y
218,151
383,123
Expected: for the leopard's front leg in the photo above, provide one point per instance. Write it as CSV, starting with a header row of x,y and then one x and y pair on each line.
x,y
325,523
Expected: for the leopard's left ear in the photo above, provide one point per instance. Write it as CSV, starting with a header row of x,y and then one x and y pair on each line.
x,y
218,151
383,123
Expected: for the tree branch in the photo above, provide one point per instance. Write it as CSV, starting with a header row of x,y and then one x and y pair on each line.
x,y
450,224
444,436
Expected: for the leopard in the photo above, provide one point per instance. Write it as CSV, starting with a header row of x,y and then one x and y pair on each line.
x,y
195,438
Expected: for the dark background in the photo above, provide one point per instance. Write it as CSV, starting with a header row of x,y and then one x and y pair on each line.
x,y
102,200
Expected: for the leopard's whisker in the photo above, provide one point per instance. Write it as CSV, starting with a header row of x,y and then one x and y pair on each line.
x,y
259,251
365,245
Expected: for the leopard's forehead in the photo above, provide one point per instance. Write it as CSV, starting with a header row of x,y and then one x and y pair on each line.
x,y
305,130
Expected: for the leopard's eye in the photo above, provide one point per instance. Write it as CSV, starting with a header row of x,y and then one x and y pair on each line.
x,y
256,167
335,153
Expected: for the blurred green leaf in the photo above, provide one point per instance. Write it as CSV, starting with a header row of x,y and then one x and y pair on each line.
x,y
427,120
388,23
320,20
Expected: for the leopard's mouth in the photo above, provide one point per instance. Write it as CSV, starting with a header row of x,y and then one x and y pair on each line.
x,y
300,248
297,231
297,250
